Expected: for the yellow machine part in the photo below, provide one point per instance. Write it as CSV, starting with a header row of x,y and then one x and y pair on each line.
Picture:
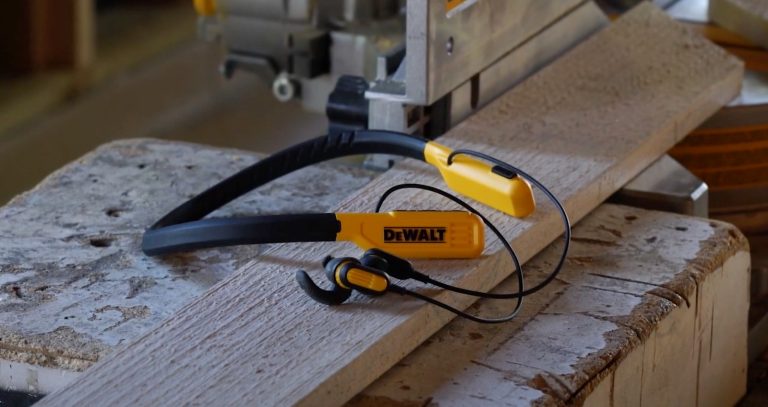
x,y
451,5
416,234
475,179
205,8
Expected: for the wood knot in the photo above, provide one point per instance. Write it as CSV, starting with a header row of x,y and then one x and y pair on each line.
x,y
101,241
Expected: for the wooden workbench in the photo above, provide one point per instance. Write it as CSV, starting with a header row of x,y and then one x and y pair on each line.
x,y
651,310
73,282
584,125
650,305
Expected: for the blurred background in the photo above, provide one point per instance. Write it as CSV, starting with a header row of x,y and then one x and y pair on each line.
x,y
77,73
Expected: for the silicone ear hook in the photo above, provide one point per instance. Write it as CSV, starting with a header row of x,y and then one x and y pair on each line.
x,y
335,296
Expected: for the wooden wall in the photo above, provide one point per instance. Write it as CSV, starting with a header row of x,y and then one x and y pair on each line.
x,y
44,34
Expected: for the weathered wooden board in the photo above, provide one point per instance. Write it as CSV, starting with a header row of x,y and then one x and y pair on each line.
x,y
73,281
650,310
584,125
746,17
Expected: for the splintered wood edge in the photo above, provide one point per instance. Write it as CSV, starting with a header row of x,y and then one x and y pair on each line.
x,y
726,243
720,244
202,332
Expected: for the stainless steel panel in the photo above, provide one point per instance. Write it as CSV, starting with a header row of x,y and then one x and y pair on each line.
x,y
668,186
528,58
257,36
277,10
690,10
447,49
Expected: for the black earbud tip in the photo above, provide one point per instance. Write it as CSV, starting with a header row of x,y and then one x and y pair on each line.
x,y
335,296
326,260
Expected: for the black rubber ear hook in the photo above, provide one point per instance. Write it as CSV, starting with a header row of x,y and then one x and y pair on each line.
x,y
335,296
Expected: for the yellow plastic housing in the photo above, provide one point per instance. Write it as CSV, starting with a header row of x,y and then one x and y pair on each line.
x,y
475,179
416,234
366,279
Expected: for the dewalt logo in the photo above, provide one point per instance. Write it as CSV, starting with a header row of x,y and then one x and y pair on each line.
x,y
414,234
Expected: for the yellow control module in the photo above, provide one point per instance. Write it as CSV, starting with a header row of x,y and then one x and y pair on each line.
x,y
415,234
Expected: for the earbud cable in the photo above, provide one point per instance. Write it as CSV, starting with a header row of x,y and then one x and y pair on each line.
x,y
426,279
522,292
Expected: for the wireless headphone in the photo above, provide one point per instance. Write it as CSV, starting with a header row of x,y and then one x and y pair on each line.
x,y
183,229
499,185
372,274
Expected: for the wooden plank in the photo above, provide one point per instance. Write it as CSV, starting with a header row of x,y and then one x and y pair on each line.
x,y
722,313
720,35
661,301
746,17
73,285
584,125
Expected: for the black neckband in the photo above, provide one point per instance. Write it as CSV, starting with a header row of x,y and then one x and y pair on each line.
x,y
182,229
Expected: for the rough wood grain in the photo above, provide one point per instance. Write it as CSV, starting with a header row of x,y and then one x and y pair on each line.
x,y
73,281
584,125
650,310
746,17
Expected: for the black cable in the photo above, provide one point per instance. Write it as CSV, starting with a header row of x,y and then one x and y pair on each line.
x,y
558,205
426,279
184,218
403,291
463,204
556,202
